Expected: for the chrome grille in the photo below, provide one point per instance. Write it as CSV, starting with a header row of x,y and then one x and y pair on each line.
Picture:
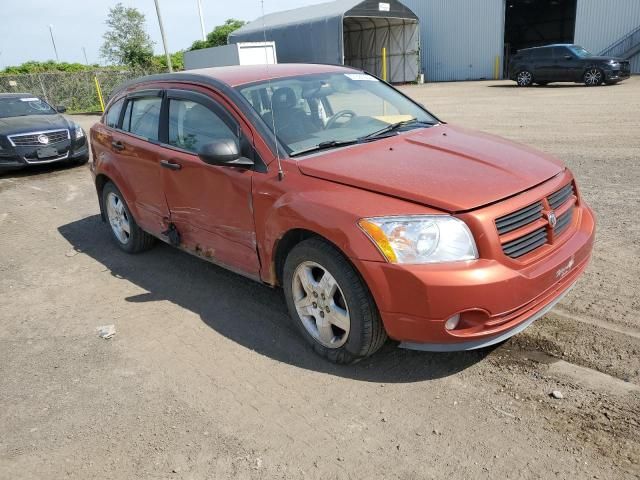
x,y
32,139
525,244
558,198
520,218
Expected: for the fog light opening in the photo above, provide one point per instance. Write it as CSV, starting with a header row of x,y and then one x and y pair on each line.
x,y
452,323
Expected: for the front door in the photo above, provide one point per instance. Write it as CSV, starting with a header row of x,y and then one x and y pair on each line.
x,y
566,66
210,206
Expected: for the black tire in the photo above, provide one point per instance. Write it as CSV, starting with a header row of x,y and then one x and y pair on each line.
x,y
138,240
366,333
524,78
593,77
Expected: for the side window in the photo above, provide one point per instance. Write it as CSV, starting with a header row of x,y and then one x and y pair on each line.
x,y
142,117
560,52
192,125
113,115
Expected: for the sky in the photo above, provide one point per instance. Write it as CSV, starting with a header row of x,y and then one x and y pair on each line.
x,y
24,34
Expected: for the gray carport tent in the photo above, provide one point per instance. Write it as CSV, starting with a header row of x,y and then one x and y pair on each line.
x,y
343,32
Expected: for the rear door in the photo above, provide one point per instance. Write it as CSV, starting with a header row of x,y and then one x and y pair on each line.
x,y
136,146
211,206
543,64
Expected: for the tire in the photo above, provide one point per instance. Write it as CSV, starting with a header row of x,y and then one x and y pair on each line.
x,y
358,331
120,219
593,77
524,78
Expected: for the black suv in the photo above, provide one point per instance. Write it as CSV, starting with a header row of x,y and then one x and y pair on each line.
x,y
565,63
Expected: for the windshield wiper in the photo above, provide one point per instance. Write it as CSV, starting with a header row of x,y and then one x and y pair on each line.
x,y
393,127
325,146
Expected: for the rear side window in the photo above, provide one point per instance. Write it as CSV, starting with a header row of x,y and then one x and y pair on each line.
x,y
113,115
142,117
192,125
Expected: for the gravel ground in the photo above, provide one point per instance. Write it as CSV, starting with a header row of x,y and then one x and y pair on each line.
x,y
206,378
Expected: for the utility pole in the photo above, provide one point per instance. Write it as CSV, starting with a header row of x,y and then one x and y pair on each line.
x,y
54,43
84,50
204,34
164,39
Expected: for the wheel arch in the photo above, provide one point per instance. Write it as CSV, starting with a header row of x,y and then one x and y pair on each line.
x,y
100,182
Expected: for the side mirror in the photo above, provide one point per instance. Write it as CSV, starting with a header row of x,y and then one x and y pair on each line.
x,y
224,153
568,57
61,109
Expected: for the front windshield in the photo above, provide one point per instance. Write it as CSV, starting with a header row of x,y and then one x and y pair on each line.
x,y
314,110
22,106
579,51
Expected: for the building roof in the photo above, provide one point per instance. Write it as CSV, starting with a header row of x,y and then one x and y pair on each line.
x,y
321,11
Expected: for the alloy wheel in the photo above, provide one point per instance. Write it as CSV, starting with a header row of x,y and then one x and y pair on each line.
x,y
593,77
320,304
118,218
524,78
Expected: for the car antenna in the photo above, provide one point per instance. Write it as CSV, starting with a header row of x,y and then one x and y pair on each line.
x,y
273,117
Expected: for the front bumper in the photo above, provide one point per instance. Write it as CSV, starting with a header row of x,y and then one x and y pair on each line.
x,y
617,75
19,157
494,299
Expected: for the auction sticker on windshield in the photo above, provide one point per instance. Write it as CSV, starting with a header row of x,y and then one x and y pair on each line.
x,y
360,76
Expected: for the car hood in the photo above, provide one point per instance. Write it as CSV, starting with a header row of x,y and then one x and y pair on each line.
x,y
449,168
32,123
605,59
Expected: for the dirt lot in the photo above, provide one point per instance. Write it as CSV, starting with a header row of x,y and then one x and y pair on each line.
x,y
206,378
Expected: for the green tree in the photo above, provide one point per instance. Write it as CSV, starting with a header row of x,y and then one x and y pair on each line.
x,y
219,35
126,42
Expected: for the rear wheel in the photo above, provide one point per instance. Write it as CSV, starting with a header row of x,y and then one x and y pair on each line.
x,y
593,77
126,232
524,78
330,303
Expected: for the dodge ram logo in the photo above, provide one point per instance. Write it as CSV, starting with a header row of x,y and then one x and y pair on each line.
x,y
552,219
43,139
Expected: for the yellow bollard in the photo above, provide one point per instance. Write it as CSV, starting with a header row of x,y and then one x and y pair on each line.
x,y
384,63
95,78
496,68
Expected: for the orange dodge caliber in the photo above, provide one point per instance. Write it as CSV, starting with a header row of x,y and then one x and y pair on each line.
x,y
376,218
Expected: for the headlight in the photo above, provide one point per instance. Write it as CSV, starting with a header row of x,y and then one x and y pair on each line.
x,y
79,132
421,238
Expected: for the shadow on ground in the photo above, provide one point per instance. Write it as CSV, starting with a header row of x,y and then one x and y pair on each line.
x,y
245,311
35,170
551,85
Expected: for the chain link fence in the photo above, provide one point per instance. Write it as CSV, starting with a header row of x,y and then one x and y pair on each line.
x,y
74,90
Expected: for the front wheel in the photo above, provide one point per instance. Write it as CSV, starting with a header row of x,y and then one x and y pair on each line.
x,y
330,303
593,77
524,78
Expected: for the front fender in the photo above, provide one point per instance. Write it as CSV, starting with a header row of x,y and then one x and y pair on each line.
x,y
327,209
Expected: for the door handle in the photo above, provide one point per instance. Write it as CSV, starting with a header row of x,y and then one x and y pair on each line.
x,y
117,144
171,165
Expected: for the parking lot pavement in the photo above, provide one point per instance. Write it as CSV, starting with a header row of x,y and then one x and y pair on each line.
x,y
206,377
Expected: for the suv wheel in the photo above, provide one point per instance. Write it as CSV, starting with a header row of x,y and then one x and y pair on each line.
x,y
128,235
330,303
524,78
593,77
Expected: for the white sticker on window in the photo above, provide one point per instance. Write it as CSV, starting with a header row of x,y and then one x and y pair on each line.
x,y
30,99
360,76
384,7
